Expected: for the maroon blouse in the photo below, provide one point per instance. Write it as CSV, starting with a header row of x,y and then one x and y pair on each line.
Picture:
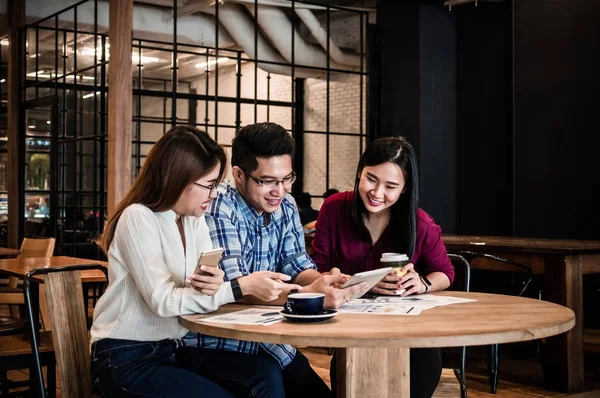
x,y
337,243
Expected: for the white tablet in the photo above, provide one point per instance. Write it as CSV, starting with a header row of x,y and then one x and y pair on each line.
x,y
371,277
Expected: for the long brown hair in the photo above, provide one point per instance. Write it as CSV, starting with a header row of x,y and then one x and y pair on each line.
x,y
183,155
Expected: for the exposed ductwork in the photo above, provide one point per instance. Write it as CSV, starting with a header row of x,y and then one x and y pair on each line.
x,y
241,27
276,24
320,34
148,22
156,23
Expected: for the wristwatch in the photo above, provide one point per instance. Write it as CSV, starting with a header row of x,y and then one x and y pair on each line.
x,y
426,282
237,291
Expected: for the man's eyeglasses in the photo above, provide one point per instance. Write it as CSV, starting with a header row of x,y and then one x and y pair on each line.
x,y
287,181
209,187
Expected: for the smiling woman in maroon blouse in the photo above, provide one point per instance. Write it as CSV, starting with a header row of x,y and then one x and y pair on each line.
x,y
382,215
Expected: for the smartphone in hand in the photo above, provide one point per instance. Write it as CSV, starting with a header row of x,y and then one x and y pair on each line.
x,y
209,258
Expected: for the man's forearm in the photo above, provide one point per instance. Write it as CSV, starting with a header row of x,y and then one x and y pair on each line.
x,y
307,277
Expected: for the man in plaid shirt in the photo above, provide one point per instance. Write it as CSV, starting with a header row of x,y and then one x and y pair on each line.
x,y
258,225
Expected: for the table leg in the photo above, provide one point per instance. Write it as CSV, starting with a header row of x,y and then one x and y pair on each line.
x,y
373,372
563,354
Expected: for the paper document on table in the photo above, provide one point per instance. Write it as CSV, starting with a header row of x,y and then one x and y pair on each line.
x,y
251,316
390,305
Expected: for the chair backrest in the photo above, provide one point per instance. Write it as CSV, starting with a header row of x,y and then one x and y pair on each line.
x,y
520,269
37,247
70,335
462,273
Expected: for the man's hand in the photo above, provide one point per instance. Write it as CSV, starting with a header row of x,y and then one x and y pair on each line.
x,y
266,285
335,297
336,271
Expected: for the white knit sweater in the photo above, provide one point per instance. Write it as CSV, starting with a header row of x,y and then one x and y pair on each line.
x,y
147,269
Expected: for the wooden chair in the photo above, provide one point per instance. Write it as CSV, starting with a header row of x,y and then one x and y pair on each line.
x,y
70,334
455,357
15,350
29,248
37,247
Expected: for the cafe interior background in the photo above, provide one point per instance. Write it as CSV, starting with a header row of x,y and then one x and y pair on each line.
x,y
498,97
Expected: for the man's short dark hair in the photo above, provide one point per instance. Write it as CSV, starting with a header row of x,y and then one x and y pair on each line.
x,y
303,200
330,192
260,140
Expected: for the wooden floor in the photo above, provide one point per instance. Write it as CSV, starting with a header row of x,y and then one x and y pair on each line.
x,y
520,372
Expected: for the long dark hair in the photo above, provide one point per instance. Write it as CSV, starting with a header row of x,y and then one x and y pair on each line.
x,y
183,155
403,217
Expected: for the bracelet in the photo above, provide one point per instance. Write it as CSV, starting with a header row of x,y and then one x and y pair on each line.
x,y
236,290
426,282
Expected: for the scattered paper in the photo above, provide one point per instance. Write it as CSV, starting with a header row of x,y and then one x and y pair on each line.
x,y
252,316
390,305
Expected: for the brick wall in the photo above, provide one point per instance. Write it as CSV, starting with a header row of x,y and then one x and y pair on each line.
x,y
344,117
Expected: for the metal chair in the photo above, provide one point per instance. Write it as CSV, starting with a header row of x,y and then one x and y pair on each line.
x,y
493,361
70,334
462,283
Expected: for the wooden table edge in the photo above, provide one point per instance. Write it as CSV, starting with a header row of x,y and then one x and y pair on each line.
x,y
387,342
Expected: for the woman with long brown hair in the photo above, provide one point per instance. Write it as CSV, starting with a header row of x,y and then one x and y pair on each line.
x,y
154,240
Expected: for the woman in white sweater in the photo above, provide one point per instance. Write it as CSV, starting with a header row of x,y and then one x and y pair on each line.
x,y
154,240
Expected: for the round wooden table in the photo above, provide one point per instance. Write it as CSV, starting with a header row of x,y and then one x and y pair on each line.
x,y
374,349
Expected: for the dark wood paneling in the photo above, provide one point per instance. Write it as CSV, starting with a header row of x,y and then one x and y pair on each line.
x,y
556,117
16,183
484,121
399,32
437,57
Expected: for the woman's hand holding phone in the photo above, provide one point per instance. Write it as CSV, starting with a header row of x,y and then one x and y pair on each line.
x,y
266,285
209,282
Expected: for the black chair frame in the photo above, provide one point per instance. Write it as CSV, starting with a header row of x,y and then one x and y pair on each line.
x,y
493,359
466,283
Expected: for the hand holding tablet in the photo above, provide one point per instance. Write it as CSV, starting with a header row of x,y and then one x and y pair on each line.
x,y
370,277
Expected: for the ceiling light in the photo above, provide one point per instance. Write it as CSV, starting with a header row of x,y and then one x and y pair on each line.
x,y
4,42
450,3
41,74
90,95
47,121
2,80
143,59
135,57
34,55
31,126
212,62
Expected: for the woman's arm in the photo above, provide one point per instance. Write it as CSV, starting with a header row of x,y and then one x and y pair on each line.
x,y
138,245
438,268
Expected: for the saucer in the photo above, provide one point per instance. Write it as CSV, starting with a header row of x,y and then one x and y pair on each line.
x,y
322,317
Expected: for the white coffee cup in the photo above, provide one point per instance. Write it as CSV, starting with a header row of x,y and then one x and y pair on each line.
x,y
394,260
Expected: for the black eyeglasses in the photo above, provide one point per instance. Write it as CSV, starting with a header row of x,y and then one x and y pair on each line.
x,y
209,187
287,181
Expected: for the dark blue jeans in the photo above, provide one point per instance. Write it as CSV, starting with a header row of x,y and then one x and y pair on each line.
x,y
125,368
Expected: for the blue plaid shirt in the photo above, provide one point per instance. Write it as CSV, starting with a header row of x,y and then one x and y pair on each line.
x,y
253,244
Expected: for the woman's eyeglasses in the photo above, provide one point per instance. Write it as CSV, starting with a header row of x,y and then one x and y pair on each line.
x,y
209,187
272,183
